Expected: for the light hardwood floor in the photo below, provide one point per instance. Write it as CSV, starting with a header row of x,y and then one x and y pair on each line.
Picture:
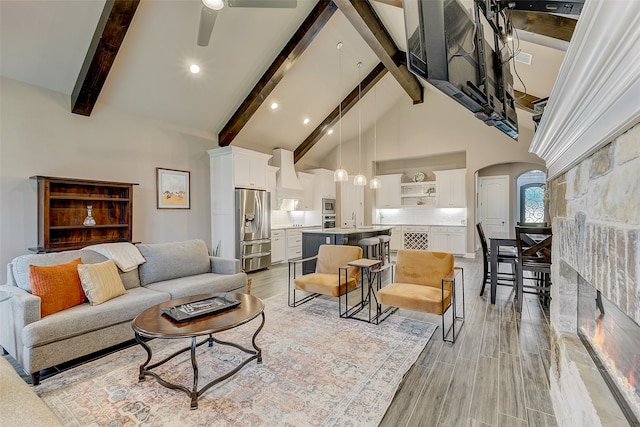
x,y
496,374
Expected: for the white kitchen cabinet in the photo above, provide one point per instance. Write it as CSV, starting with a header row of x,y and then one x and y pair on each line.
x,y
250,169
294,244
278,246
271,186
396,239
388,196
438,240
458,241
307,181
325,186
448,239
451,189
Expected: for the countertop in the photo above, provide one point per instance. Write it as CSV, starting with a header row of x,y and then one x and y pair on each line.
x,y
292,227
350,230
421,225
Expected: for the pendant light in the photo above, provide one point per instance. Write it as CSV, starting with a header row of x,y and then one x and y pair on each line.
x,y
340,175
375,182
359,180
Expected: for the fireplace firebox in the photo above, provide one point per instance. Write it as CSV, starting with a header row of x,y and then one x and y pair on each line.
x,y
613,340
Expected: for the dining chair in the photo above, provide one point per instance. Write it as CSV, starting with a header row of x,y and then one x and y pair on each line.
x,y
505,256
332,276
534,255
424,281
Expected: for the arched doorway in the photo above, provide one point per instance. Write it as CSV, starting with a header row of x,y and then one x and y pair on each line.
x,y
530,193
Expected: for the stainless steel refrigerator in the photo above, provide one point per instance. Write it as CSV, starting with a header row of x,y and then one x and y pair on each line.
x,y
253,229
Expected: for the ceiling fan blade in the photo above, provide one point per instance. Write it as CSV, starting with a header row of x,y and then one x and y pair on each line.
x,y
285,4
207,20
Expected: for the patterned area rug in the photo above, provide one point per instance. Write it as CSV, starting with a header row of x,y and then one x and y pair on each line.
x,y
317,370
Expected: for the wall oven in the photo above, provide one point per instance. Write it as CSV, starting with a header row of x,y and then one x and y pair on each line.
x,y
328,221
328,207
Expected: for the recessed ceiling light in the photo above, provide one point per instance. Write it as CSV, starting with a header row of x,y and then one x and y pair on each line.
x,y
330,131
274,105
306,121
213,4
195,69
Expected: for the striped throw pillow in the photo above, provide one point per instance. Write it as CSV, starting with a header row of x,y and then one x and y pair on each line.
x,y
101,282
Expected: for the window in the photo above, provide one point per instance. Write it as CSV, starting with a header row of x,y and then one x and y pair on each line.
x,y
532,203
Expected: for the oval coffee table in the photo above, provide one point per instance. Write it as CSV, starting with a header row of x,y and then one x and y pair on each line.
x,y
151,323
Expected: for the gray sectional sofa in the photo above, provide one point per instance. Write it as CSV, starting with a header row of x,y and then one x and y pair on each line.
x,y
171,270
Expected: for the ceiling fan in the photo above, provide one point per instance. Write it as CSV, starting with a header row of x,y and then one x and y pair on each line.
x,y
210,10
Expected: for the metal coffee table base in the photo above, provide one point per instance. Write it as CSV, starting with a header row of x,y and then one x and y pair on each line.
x,y
194,393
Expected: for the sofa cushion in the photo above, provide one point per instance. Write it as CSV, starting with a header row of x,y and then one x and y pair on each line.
x,y
100,281
85,318
21,264
166,261
202,284
58,286
19,405
130,279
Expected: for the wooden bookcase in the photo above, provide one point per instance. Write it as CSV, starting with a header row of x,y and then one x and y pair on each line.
x,y
62,208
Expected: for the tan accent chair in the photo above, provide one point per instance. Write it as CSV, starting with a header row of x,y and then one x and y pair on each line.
x,y
332,276
425,281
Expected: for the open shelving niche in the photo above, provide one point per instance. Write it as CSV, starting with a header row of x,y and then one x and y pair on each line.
x,y
418,193
62,208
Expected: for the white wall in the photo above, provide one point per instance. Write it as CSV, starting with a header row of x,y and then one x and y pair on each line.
x,y
437,126
40,136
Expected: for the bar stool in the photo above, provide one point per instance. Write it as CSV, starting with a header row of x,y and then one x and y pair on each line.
x,y
370,247
385,248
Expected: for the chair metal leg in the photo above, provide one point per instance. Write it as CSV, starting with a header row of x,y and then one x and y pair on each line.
x,y
291,291
454,316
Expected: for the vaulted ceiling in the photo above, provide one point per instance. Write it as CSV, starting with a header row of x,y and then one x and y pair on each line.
x,y
256,56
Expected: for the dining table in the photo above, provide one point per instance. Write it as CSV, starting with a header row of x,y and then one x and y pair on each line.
x,y
498,239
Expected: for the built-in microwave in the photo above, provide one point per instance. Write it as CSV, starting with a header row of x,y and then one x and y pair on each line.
x,y
329,206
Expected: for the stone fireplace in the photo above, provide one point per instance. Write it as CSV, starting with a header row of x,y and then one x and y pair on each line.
x,y
595,208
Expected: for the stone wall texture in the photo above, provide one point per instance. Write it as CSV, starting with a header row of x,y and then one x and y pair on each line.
x,y
595,208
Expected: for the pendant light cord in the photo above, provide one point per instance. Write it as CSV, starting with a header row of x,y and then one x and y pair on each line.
x,y
375,130
340,103
359,120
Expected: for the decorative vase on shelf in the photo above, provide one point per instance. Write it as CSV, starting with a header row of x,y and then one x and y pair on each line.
x,y
89,221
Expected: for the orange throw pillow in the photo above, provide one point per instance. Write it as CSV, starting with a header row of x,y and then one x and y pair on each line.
x,y
58,286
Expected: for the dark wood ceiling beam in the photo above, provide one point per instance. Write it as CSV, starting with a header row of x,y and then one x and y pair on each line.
x,y
302,38
347,104
366,22
112,27
545,24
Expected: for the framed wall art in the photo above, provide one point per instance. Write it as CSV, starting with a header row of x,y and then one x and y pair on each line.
x,y
173,189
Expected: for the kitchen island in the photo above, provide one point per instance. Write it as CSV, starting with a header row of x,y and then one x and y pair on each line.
x,y
312,239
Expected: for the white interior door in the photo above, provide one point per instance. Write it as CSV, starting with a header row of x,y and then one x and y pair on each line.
x,y
351,204
494,203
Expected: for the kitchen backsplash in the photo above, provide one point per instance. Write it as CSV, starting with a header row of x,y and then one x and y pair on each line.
x,y
422,215
287,218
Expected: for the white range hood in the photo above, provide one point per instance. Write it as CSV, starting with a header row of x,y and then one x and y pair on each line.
x,y
287,185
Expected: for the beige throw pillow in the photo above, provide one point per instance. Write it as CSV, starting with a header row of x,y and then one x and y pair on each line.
x,y
100,282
